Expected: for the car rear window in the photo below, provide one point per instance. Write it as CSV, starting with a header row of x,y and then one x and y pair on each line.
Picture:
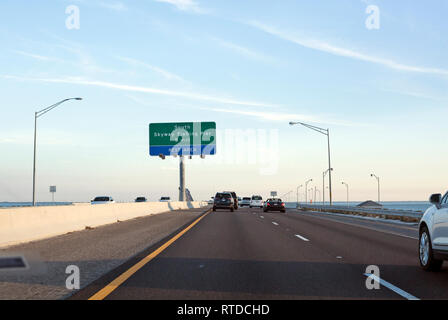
x,y
257,198
275,200
246,198
101,199
223,196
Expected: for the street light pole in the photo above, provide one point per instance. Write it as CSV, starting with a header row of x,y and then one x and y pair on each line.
x,y
325,132
306,190
378,180
347,193
323,184
298,193
37,115
287,194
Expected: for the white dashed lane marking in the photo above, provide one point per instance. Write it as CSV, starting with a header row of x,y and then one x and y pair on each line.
x,y
302,238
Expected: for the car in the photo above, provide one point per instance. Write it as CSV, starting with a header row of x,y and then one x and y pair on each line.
x,y
256,201
102,200
141,199
245,202
433,234
211,201
224,200
165,199
274,204
235,199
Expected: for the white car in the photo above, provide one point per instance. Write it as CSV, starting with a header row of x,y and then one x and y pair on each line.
x,y
165,199
256,201
245,202
102,200
433,234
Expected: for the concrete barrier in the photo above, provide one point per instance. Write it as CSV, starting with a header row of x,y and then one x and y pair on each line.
x,y
19,225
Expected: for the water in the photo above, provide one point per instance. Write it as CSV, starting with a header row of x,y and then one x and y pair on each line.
x,y
29,204
395,205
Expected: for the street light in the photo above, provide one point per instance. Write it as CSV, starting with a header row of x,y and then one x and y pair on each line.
x,y
316,191
38,114
323,184
311,192
378,180
325,132
286,194
298,193
306,190
347,193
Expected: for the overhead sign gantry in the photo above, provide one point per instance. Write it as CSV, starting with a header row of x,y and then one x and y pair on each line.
x,y
182,139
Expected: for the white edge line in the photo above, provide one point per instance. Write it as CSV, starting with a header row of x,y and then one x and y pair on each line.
x,y
302,238
275,223
390,286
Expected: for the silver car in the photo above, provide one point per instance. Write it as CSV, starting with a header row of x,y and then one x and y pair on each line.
x,y
433,234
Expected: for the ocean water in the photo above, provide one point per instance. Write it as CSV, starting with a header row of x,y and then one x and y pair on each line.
x,y
29,204
395,205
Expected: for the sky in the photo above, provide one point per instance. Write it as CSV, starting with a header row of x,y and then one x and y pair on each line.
x,y
252,67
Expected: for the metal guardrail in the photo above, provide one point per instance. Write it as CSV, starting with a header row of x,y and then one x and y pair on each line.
x,y
415,215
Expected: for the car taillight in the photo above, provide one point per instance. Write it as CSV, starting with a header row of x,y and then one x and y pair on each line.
x,y
283,204
268,204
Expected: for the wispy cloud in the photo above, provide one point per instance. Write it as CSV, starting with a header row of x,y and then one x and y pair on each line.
x,y
283,116
339,51
185,5
37,57
246,52
166,74
132,88
116,6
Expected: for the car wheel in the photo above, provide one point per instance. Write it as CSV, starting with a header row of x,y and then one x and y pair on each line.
x,y
283,211
231,209
425,253
214,209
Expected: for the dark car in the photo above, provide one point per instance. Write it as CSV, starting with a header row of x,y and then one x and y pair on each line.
x,y
141,199
223,200
235,199
274,205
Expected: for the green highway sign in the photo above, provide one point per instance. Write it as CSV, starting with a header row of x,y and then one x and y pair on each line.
x,y
182,138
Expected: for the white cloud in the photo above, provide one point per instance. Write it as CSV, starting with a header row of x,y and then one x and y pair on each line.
x,y
184,5
131,88
162,72
329,48
283,116
116,6
248,53
36,56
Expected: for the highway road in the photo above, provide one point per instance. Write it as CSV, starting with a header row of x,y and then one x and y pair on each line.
x,y
249,254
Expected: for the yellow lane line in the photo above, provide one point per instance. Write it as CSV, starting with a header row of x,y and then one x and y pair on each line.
x,y
107,290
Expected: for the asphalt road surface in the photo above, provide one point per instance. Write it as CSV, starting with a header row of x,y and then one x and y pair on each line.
x,y
249,254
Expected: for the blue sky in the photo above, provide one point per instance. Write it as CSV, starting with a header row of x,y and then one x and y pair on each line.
x,y
244,64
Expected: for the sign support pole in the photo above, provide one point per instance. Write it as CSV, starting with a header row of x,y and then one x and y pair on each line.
x,y
182,178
